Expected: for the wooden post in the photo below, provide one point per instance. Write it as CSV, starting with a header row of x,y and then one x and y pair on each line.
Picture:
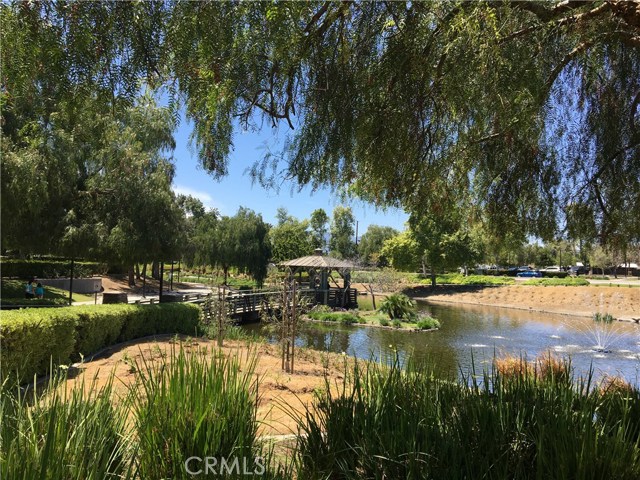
x,y
161,280
221,314
293,325
71,281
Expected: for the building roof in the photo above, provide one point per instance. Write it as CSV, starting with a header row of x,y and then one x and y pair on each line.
x,y
317,261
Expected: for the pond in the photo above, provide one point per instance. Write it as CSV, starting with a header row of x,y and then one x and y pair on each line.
x,y
472,335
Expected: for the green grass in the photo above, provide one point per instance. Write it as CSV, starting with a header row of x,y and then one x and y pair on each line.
x,y
14,289
459,279
344,318
234,282
374,318
233,333
365,302
562,282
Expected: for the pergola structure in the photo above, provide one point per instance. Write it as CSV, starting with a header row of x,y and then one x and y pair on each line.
x,y
319,268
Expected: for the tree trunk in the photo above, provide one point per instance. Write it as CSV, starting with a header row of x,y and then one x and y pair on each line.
x,y
433,277
132,276
144,279
138,271
155,270
225,269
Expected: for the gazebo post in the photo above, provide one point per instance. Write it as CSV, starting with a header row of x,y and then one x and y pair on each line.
x,y
324,282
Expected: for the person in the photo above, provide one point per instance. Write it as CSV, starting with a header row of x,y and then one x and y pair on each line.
x,y
28,290
39,290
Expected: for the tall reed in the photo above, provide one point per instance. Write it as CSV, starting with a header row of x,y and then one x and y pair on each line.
x,y
395,423
75,434
195,404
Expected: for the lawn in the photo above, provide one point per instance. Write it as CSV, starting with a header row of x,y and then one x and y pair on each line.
x,y
14,289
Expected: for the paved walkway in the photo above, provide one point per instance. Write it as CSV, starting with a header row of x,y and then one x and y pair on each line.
x,y
619,282
192,288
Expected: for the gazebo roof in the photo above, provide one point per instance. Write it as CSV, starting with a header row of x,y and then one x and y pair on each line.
x,y
317,261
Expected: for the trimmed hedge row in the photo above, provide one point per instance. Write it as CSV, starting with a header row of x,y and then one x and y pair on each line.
x,y
32,302
32,339
50,268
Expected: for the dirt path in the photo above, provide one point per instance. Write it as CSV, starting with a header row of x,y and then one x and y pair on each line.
x,y
621,302
282,396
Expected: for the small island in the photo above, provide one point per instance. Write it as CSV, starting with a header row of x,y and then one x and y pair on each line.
x,y
397,311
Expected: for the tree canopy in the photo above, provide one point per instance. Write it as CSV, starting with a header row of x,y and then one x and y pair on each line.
x,y
341,242
371,244
240,241
290,238
529,108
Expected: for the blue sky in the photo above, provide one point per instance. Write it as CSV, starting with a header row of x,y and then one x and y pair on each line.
x,y
237,190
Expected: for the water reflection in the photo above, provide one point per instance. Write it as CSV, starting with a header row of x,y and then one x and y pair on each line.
x,y
473,336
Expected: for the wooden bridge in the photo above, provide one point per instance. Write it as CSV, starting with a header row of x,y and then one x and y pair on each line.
x,y
247,306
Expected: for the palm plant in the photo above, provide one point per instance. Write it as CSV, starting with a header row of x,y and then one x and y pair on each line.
x,y
398,306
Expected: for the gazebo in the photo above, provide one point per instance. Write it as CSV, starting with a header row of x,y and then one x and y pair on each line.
x,y
320,267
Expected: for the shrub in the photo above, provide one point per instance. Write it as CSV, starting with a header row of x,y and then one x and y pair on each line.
x,y
428,323
396,323
384,322
512,368
50,268
555,274
550,368
398,306
321,309
32,339
603,318
33,302
562,282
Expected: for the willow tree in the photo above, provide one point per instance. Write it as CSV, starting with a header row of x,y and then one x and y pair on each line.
x,y
529,106
241,241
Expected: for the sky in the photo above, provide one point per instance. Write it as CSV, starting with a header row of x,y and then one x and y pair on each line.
x,y
237,188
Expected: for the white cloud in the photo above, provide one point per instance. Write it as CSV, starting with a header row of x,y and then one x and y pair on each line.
x,y
206,199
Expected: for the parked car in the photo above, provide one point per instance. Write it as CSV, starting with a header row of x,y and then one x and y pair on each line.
x,y
578,270
529,273
554,268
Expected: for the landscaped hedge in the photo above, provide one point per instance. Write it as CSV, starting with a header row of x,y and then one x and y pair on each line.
x,y
555,274
50,268
558,282
33,339
11,303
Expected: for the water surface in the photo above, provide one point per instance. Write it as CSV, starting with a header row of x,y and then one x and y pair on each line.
x,y
472,335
